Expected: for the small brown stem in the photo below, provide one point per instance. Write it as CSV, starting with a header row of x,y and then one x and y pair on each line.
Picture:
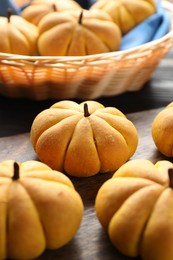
x,y
54,8
80,17
16,172
86,112
170,173
9,14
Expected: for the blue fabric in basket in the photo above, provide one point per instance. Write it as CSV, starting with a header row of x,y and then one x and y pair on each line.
x,y
152,28
8,4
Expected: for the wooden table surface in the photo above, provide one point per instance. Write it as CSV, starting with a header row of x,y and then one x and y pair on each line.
x,y
16,116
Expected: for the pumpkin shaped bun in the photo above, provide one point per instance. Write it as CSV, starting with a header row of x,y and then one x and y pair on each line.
x,y
18,36
39,8
83,139
135,207
77,33
126,13
36,204
162,130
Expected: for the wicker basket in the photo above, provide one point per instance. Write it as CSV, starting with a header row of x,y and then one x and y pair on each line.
x,y
84,77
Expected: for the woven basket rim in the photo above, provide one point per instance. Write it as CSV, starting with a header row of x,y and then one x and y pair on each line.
x,y
126,54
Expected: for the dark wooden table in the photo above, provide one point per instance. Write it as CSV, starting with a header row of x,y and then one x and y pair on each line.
x,y
16,116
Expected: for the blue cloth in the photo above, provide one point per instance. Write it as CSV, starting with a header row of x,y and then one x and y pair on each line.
x,y
86,4
8,4
152,28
